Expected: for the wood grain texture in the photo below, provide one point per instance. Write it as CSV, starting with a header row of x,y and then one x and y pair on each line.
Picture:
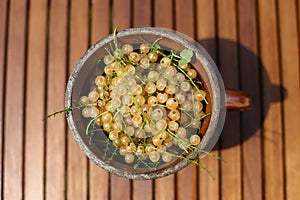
x,y
14,102
100,19
98,177
254,43
142,190
142,13
230,138
289,50
3,36
165,188
272,128
120,188
163,19
185,24
142,17
77,160
122,14
35,95
251,120
187,177
206,36
56,80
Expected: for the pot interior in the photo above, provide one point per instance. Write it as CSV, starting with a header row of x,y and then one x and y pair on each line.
x,y
96,144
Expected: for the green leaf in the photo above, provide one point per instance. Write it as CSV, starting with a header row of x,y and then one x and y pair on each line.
x,y
186,56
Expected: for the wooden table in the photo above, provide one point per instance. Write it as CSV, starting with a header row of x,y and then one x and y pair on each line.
x,y
254,43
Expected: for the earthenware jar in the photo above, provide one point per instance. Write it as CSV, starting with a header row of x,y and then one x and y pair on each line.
x,y
219,99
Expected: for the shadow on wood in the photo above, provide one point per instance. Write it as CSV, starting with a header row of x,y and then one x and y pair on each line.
x,y
252,78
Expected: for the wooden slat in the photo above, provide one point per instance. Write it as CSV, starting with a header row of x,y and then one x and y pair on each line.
x,y
14,102
120,188
206,26
99,178
122,14
142,18
272,127
35,95
164,19
289,49
56,80
185,17
206,35
142,14
165,188
3,36
187,177
230,138
100,19
77,160
163,13
142,190
250,82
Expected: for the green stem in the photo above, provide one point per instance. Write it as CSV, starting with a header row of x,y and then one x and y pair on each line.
x,y
93,120
193,161
67,110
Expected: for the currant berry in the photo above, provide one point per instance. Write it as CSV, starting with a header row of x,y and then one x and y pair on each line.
x,y
145,63
94,112
157,114
174,115
140,100
127,48
165,61
161,124
153,76
85,112
129,130
195,140
171,89
84,100
125,139
152,100
162,97
108,59
152,56
185,86
173,126
192,73
166,157
106,118
150,88
144,48
122,150
93,96
161,84
134,57
200,95
100,80
113,135
172,103
129,158
154,156
181,132
130,147
134,110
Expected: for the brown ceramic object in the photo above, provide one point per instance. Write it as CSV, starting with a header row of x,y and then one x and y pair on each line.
x,y
217,99
238,100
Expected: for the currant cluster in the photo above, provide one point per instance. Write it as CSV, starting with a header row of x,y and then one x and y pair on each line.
x,y
146,101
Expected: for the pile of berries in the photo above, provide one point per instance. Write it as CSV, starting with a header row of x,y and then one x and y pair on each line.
x,y
146,103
